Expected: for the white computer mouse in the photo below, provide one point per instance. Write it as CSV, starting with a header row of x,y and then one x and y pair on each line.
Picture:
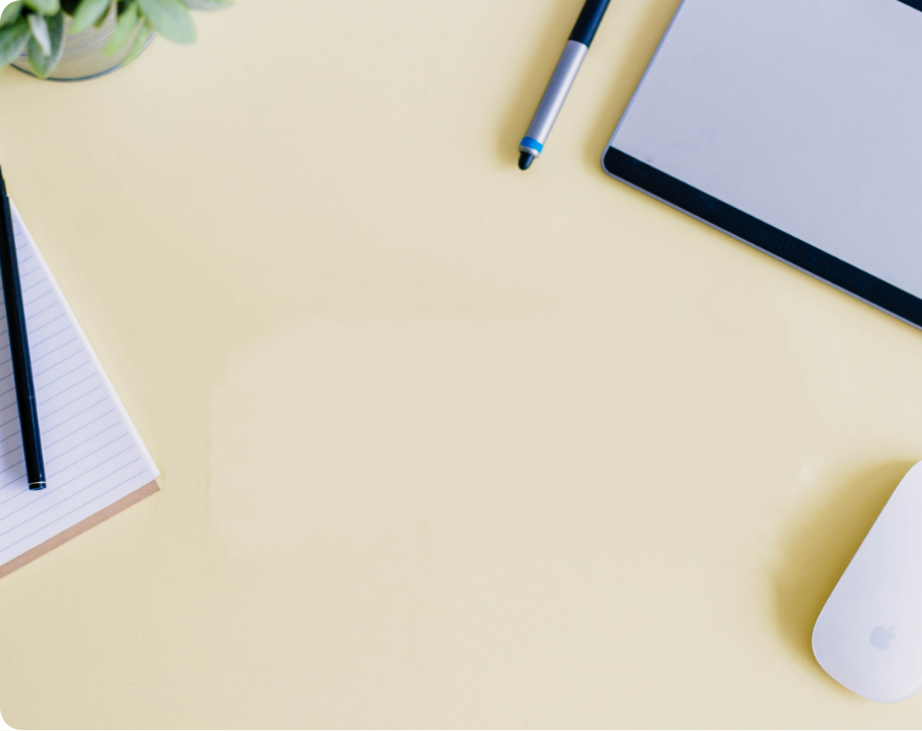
x,y
869,635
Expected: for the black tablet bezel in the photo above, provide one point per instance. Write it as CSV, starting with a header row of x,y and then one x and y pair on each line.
x,y
764,236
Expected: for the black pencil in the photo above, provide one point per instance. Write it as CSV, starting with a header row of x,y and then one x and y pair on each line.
x,y
19,348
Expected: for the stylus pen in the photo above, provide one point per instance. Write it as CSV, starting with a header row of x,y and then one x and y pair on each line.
x,y
19,348
532,144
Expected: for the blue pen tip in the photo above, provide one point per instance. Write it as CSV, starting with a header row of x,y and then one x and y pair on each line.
x,y
525,160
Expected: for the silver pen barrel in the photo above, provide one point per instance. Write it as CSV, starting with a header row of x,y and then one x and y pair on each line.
x,y
553,99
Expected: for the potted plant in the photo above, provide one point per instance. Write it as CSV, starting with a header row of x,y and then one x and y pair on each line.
x,y
76,39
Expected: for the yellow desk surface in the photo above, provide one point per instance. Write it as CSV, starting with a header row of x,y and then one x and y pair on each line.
x,y
442,443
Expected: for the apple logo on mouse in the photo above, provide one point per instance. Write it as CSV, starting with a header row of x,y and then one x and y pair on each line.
x,y
881,637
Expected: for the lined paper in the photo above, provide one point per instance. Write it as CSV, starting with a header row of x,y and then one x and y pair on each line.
x,y
94,457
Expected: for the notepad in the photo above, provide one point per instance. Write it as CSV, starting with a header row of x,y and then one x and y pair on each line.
x,y
95,461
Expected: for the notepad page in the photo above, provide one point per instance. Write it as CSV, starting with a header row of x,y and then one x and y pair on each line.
x,y
93,454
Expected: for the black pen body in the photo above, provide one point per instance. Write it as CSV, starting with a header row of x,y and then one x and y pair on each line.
x,y
588,22
19,348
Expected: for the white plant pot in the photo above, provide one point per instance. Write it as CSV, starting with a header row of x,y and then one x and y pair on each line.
x,y
83,54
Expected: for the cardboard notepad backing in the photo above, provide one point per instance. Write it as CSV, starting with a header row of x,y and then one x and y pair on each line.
x,y
95,460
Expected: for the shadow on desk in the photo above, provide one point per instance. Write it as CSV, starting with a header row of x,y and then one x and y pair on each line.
x,y
819,548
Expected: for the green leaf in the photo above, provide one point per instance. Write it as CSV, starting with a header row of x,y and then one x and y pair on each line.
x,y
127,23
40,33
140,41
88,12
43,63
207,4
13,39
69,6
170,19
45,7
11,13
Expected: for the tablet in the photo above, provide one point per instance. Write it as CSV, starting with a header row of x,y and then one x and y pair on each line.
x,y
796,127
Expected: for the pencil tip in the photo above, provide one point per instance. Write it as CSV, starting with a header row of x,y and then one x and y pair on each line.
x,y
525,160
